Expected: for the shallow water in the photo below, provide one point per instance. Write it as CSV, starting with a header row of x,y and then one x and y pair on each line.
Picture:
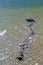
x,y
13,21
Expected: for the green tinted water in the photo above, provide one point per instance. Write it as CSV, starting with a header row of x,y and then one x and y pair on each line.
x,y
13,21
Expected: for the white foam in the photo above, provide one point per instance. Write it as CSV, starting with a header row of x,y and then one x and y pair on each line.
x,y
2,33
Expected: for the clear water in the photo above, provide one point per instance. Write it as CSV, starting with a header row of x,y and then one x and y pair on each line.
x,y
13,20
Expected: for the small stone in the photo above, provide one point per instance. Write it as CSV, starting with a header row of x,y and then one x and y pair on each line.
x,y
10,57
36,63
